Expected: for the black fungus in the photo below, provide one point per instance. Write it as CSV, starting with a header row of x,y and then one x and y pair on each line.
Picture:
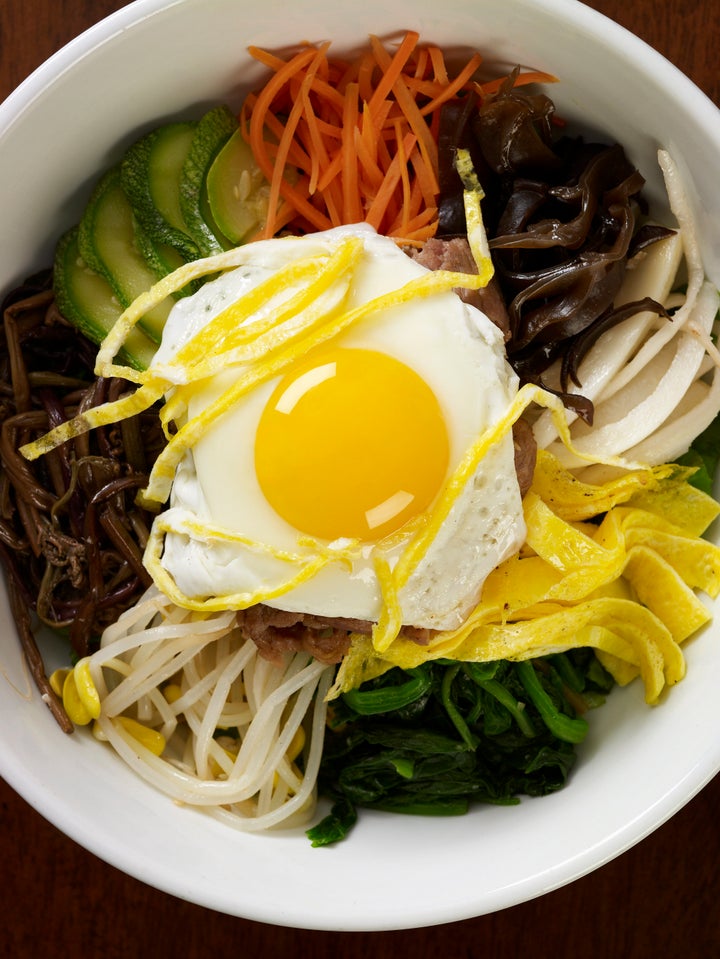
x,y
561,215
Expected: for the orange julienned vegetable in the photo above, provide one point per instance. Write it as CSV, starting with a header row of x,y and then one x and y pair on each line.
x,y
341,141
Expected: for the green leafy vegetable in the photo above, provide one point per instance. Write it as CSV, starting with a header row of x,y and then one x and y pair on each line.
x,y
705,455
335,825
386,699
565,728
435,739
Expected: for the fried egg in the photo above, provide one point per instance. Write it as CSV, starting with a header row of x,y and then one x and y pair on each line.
x,y
306,491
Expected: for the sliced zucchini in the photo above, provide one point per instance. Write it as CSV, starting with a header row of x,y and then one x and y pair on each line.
x,y
146,217
237,190
108,245
151,171
212,132
87,301
162,259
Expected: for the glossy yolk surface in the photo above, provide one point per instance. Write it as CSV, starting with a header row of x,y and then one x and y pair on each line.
x,y
352,443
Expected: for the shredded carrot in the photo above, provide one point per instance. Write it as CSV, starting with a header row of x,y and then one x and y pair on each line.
x,y
392,67
341,141
393,181
438,62
451,89
531,76
350,183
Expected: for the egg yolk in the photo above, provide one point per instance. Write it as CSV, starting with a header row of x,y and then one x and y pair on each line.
x,y
352,443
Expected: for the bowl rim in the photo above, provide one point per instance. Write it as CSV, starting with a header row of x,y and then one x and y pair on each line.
x,y
35,792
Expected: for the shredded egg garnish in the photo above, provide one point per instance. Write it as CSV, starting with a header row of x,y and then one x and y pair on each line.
x,y
339,429
624,585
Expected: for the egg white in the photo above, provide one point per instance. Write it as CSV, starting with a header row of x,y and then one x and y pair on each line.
x,y
459,353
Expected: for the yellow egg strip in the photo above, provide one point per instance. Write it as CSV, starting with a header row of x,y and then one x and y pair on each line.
x,y
692,511
662,490
662,589
390,619
174,410
627,632
312,306
220,342
518,583
359,665
324,305
623,628
695,559
231,325
113,342
154,384
473,194
346,554
561,545
229,331
571,499
321,310
104,415
186,523
165,287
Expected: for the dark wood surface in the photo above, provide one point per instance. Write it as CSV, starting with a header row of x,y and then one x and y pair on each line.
x,y
659,899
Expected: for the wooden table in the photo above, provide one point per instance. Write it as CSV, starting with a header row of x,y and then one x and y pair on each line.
x,y
658,900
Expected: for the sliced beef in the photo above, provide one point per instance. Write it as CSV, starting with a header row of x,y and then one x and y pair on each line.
x,y
455,255
326,638
276,632
525,454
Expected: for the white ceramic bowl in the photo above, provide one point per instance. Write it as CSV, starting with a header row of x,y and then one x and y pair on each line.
x,y
166,58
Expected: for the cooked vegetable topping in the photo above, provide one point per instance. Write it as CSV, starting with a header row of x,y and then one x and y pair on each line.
x,y
342,141
224,702
561,217
71,535
603,567
434,739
